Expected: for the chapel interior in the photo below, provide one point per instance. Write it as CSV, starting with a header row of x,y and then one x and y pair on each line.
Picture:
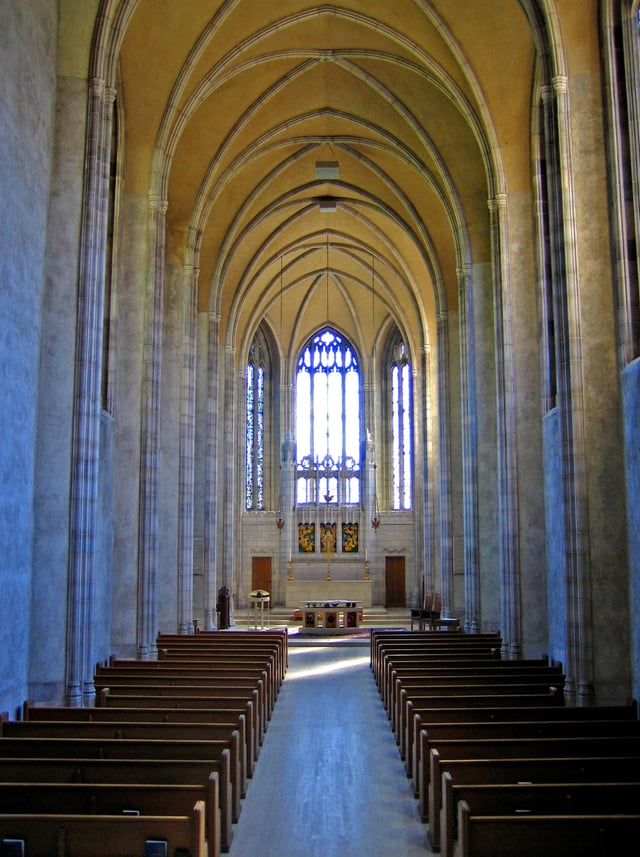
x,y
321,299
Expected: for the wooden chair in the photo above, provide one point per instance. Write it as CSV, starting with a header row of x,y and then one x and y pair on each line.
x,y
421,614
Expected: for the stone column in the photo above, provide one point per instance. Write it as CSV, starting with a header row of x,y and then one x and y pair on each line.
x,y
150,437
469,452
211,503
446,524
511,607
186,500
579,627
228,484
428,493
86,415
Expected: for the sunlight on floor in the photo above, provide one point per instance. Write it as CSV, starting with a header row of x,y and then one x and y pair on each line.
x,y
327,668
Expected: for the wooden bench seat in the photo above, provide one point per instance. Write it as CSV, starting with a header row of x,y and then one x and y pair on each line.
x,y
38,798
121,772
187,696
189,684
430,774
406,688
219,654
106,835
128,750
221,734
445,654
579,733
267,672
474,694
274,639
413,670
123,697
390,640
548,835
418,717
535,798
219,716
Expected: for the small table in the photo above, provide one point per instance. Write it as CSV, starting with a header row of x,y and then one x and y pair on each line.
x,y
260,599
330,617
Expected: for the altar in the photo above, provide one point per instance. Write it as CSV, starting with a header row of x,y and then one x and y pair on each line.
x,y
298,591
330,617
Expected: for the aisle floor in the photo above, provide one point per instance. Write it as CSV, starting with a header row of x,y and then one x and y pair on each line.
x,y
329,781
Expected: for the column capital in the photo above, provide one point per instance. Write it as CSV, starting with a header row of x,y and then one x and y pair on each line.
x,y
96,87
498,203
560,84
156,203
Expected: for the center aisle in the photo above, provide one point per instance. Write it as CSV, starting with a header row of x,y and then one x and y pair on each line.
x,y
329,781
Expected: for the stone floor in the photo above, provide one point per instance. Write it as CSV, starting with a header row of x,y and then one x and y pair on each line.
x,y
329,781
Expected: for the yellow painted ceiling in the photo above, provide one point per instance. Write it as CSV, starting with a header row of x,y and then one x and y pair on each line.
x,y
229,106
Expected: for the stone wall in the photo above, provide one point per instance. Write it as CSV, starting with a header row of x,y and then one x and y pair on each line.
x,y
631,396
27,102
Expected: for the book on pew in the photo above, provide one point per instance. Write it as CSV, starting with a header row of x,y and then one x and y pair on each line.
x,y
12,848
155,848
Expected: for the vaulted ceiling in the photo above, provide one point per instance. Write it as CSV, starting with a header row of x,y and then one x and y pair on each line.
x,y
327,159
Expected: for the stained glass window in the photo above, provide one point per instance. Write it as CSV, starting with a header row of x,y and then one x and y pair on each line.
x,y
328,421
401,443
255,407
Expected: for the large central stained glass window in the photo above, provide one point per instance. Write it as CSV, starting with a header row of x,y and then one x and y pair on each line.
x,y
328,421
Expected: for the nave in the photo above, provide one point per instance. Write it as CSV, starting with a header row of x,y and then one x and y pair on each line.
x,y
329,780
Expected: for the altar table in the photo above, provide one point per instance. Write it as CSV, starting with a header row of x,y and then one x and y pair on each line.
x,y
330,617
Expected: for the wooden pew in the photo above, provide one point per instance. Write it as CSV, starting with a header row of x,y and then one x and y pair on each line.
x,y
536,798
275,639
239,714
61,799
479,695
467,654
437,736
402,676
419,717
119,697
240,665
106,835
122,772
404,692
154,684
525,750
140,731
209,755
551,835
185,696
390,640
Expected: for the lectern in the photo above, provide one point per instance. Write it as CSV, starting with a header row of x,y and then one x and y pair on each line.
x,y
260,599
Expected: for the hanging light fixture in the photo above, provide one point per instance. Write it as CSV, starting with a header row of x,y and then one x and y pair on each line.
x,y
375,509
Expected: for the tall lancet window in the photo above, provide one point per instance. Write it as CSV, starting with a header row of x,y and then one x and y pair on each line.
x,y
255,392
328,421
401,421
